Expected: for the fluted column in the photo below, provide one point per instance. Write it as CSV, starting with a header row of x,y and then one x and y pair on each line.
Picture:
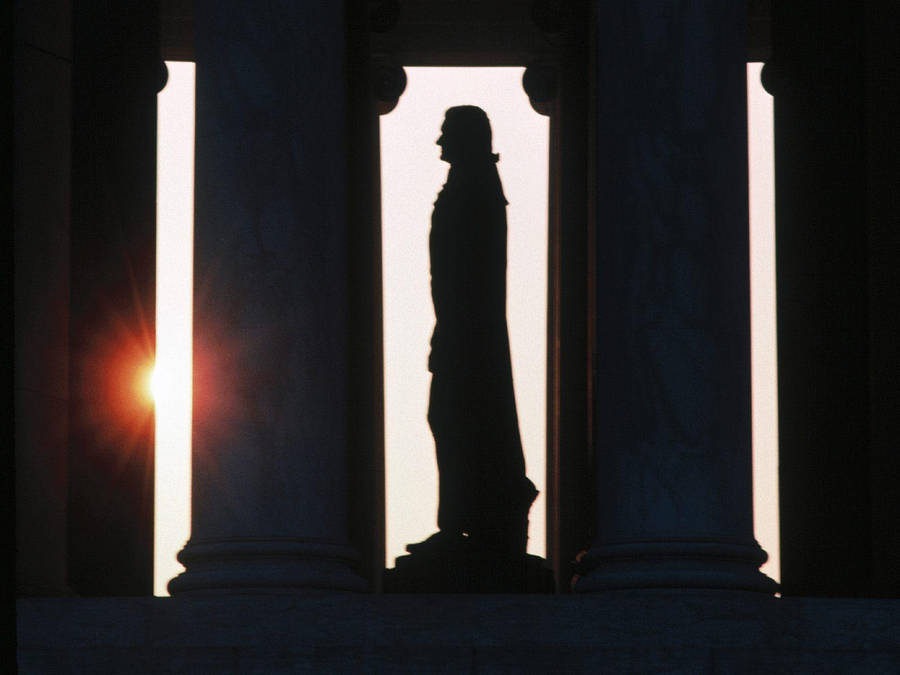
x,y
672,347
107,478
271,322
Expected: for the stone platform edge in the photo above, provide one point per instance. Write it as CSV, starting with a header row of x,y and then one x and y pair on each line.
x,y
701,631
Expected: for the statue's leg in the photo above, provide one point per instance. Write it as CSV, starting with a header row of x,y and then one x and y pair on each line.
x,y
450,502
447,448
506,494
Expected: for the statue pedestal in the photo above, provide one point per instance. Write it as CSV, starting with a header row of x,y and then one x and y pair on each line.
x,y
465,571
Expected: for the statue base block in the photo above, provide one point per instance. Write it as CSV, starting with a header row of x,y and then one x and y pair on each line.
x,y
468,572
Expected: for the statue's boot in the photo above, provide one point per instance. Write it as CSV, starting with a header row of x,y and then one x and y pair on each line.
x,y
503,531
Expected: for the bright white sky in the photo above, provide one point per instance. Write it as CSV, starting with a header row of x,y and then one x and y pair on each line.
x,y
174,303
764,352
412,175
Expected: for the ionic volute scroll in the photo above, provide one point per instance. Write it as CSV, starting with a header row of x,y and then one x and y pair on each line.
x,y
388,85
541,82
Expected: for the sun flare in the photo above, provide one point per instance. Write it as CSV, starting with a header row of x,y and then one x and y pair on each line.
x,y
153,384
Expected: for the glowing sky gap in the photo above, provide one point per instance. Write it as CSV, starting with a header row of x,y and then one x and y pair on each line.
x,y
764,351
174,287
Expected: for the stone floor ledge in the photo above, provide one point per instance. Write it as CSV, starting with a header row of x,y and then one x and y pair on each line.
x,y
617,631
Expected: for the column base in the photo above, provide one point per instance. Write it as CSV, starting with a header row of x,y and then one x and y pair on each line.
x,y
692,563
248,565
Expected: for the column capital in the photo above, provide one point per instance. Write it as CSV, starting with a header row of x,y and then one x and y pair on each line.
x,y
384,15
541,82
389,84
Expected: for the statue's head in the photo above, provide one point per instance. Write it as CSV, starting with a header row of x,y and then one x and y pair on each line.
x,y
466,136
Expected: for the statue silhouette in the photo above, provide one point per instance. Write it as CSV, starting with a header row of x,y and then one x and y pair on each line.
x,y
484,495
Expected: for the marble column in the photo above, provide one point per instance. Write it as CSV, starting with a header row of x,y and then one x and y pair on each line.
x,y
116,75
37,244
834,81
672,346
271,470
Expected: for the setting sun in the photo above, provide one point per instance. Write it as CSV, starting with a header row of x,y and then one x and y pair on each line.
x,y
153,384
146,384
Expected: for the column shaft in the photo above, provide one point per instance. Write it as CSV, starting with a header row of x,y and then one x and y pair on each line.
x,y
271,320
833,76
672,350
116,74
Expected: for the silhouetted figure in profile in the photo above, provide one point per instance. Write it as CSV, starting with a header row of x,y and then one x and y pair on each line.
x,y
484,494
